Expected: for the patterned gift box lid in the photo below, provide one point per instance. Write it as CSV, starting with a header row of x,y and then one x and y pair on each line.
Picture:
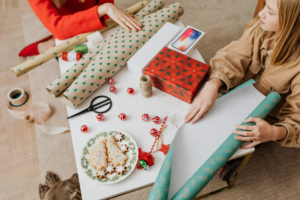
x,y
182,75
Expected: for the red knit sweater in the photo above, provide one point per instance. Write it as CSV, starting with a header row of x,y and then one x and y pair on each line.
x,y
73,18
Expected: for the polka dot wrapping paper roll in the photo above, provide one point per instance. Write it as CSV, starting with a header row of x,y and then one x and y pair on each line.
x,y
122,46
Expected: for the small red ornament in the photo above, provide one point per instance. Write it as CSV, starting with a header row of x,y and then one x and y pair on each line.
x,y
130,90
111,81
156,120
100,117
154,132
112,89
122,116
139,166
146,157
145,117
84,128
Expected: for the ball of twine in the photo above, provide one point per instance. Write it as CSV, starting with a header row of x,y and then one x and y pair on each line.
x,y
146,86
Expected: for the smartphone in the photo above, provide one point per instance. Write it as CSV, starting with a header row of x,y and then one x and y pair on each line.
x,y
186,39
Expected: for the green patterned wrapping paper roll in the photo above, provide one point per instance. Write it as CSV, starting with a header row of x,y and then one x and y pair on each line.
x,y
81,48
60,84
208,170
63,82
123,45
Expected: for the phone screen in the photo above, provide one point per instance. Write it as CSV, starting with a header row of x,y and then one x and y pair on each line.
x,y
186,39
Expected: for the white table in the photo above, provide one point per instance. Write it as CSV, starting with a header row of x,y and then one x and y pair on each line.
x,y
133,106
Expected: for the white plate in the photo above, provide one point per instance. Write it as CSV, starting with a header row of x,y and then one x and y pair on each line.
x,y
131,162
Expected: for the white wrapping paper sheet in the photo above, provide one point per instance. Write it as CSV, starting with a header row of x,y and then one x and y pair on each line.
x,y
194,144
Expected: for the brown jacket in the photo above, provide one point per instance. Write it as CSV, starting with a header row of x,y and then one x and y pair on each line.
x,y
244,59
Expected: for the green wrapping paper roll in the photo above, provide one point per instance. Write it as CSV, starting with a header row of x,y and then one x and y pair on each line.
x,y
207,171
63,82
60,84
123,45
81,48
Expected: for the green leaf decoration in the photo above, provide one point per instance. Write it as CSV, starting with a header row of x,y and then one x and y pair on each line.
x,y
190,83
116,58
108,64
83,91
82,64
81,98
93,69
76,83
83,83
90,91
57,91
92,76
75,90
58,83
123,52
75,97
100,70
100,77
108,71
66,84
92,84
84,76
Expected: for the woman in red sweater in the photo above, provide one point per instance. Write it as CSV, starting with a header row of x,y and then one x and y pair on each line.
x,y
67,18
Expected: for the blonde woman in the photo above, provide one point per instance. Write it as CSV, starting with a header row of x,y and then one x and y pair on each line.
x,y
269,53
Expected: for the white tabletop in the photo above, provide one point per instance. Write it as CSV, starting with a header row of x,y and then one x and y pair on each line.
x,y
160,104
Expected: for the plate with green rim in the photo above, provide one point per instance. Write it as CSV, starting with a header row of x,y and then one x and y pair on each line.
x,y
130,164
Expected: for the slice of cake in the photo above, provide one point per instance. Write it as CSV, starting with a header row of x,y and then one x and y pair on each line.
x,y
115,155
98,158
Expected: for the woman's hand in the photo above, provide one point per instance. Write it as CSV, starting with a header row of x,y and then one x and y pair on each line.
x,y
119,16
261,132
204,101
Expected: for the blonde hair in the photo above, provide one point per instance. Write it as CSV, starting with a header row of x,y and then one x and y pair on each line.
x,y
287,39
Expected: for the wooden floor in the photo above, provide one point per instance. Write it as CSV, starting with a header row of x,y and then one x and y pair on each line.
x,y
19,164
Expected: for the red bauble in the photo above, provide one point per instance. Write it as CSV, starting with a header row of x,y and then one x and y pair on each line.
x,y
122,116
145,117
111,81
156,120
84,128
154,132
130,90
100,117
113,89
139,166
146,157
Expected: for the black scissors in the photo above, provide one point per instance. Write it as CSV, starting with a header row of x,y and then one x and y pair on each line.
x,y
94,107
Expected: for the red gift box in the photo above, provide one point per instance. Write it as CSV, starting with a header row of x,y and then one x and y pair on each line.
x,y
177,74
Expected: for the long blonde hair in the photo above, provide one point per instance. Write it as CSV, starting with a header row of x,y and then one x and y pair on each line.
x,y
287,48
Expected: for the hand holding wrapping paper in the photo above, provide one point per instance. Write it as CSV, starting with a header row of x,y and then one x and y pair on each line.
x,y
166,187
68,45
115,53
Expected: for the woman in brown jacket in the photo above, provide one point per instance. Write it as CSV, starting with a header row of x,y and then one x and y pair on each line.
x,y
269,53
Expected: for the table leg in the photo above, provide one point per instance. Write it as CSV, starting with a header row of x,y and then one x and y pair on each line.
x,y
231,183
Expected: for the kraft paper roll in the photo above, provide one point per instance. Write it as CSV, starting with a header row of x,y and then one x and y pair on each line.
x,y
207,171
122,46
68,45
67,78
17,106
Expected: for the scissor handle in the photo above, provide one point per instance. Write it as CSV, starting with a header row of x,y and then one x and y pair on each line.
x,y
94,107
